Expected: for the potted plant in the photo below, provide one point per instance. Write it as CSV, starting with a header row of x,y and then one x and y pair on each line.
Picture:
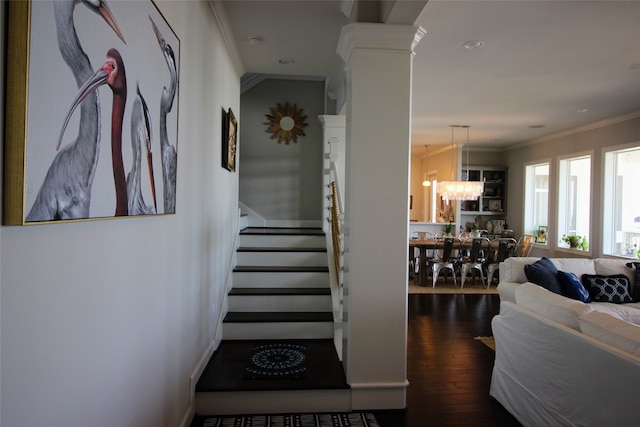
x,y
585,244
447,229
475,232
574,242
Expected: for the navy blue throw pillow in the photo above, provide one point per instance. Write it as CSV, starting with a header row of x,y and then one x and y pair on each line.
x,y
572,287
545,274
613,288
636,280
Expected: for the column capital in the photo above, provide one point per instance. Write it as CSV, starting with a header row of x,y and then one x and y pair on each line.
x,y
331,121
378,37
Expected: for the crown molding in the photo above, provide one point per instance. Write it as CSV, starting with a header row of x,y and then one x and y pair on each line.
x,y
365,36
585,128
220,14
332,121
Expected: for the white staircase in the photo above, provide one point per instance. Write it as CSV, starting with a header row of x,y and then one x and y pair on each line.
x,y
281,291
280,286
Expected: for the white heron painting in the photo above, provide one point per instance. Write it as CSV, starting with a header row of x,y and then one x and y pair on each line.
x,y
101,117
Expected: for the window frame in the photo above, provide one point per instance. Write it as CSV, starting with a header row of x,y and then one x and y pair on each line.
x,y
607,198
561,203
528,226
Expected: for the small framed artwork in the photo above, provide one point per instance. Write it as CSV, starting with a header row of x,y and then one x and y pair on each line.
x,y
229,141
542,235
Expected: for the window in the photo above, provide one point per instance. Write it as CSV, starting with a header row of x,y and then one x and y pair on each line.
x,y
536,198
574,197
621,215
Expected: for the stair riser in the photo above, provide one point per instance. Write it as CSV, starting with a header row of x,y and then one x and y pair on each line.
x,y
282,241
280,280
287,303
278,330
316,259
273,402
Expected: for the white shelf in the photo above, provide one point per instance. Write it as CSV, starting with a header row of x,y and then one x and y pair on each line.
x,y
494,200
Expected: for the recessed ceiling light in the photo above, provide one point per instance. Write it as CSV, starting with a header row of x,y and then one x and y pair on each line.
x,y
536,126
583,110
473,44
285,61
255,40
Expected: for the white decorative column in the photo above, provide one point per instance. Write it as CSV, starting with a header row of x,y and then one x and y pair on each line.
x,y
379,60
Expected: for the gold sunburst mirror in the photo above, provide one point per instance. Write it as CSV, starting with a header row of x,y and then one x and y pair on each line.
x,y
286,123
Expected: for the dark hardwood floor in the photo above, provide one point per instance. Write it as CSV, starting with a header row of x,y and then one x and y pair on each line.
x,y
449,372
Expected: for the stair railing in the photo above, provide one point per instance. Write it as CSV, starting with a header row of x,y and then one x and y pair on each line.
x,y
334,232
335,229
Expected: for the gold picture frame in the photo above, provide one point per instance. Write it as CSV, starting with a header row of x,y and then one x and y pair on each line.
x,y
57,166
541,237
229,140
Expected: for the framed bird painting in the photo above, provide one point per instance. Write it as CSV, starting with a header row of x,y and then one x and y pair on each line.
x,y
91,111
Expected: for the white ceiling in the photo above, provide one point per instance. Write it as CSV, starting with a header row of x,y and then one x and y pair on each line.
x,y
540,63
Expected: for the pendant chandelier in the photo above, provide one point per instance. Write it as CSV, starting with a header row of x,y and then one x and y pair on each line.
x,y
460,190
426,182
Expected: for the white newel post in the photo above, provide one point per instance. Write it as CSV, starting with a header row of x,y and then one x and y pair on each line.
x,y
333,137
378,62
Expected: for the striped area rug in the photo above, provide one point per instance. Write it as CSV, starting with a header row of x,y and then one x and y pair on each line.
x,y
354,419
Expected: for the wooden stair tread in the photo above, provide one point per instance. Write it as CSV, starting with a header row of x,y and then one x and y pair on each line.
x,y
225,370
283,231
277,316
280,269
280,291
279,249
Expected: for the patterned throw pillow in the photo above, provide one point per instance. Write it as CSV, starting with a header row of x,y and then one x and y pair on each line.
x,y
613,288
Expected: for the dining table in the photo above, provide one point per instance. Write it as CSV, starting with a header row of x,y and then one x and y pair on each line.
x,y
425,245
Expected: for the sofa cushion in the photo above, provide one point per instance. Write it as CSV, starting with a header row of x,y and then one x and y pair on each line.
x,y
546,303
544,273
512,269
611,330
578,266
609,267
613,288
572,287
627,312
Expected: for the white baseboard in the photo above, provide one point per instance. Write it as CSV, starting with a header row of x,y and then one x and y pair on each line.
x,y
379,396
193,380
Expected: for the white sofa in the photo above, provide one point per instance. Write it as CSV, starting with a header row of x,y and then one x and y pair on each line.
x,y
562,362
512,271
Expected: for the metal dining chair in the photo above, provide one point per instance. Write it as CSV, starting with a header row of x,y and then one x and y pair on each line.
x,y
475,260
499,250
444,260
524,245
420,259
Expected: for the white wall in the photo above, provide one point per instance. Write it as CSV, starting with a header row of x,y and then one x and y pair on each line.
x,y
440,161
282,182
593,137
103,322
